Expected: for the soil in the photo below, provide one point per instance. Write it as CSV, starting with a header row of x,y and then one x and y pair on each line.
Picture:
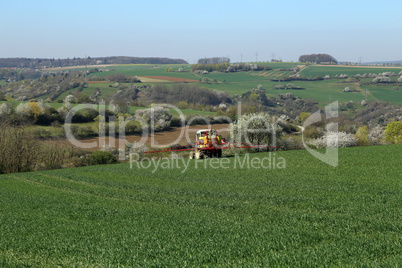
x,y
163,139
99,82
172,79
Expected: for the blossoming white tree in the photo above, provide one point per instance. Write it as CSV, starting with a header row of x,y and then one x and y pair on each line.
x,y
6,109
157,118
333,139
23,109
256,128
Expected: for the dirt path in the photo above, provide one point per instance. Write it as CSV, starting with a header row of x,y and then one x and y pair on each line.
x,y
302,68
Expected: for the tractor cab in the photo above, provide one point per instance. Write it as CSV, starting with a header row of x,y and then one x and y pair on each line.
x,y
202,136
207,143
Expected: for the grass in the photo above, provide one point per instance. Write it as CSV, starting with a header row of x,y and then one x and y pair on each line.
x,y
317,90
308,214
385,93
105,90
241,82
148,70
337,70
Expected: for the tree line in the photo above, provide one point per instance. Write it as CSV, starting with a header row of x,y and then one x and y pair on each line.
x,y
228,68
318,58
214,60
40,62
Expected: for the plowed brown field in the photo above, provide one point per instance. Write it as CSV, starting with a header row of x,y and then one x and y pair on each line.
x,y
180,135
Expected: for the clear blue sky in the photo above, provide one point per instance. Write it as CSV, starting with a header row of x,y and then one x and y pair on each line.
x,y
195,29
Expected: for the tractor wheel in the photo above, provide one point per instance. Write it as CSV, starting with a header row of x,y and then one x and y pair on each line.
x,y
219,153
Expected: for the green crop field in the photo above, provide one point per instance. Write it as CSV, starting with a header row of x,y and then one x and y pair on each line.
x,y
105,90
386,93
241,82
337,70
306,215
284,65
149,70
321,91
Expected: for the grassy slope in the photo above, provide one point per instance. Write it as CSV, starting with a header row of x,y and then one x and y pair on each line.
x,y
308,214
241,82
335,70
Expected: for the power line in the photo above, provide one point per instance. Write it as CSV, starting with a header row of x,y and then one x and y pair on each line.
x,y
86,71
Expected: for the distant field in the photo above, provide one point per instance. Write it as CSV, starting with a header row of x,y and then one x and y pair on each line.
x,y
241,82
335,70
320,91
105,90
148,70
306,215
279,65
386,93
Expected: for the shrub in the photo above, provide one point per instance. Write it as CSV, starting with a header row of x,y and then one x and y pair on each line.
x,y
85,116
312,132
304,116
362,136
102,158
182,105
161,117
41,133
82,132
6,109
176,122
258,128
381,79
334,140
23,109
376,136
393,132
79,161
132,127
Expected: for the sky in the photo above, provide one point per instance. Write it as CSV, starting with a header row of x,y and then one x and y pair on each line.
x,y
189,30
